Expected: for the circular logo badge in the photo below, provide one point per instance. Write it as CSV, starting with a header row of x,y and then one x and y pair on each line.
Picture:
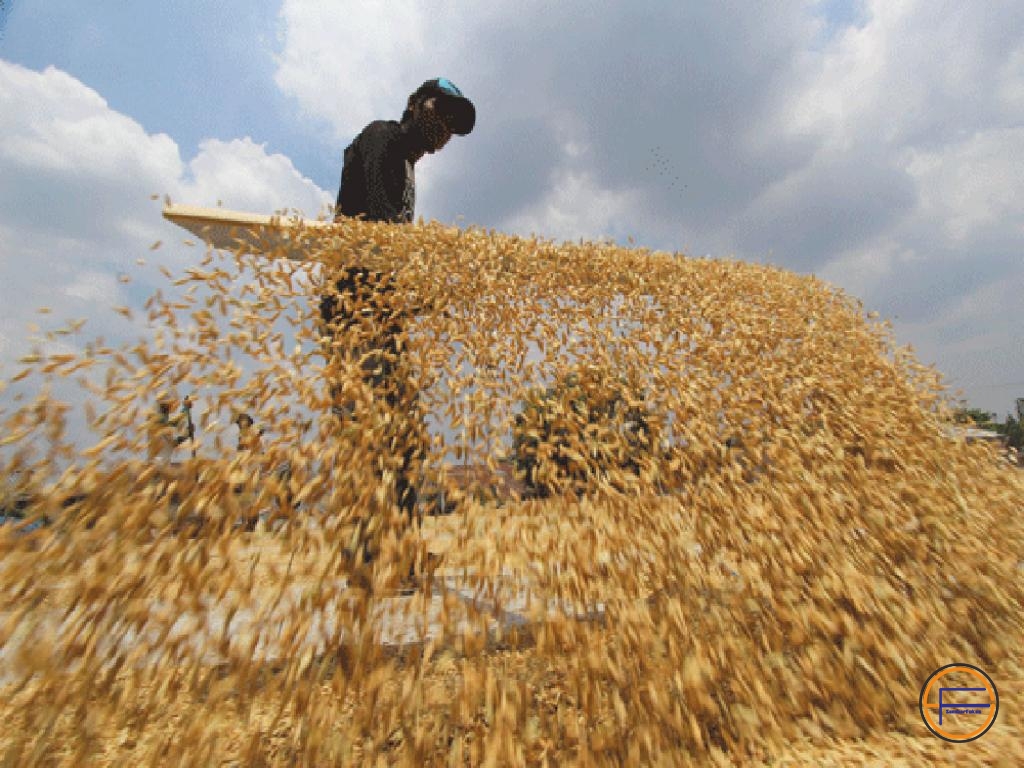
x,y
959,703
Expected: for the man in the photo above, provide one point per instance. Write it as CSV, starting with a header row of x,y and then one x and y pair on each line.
x,y
166,431
245,477
378,179
378,183
249,438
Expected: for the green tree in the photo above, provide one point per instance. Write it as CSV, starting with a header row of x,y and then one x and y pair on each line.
x,y
981,418
1012,428
1014,431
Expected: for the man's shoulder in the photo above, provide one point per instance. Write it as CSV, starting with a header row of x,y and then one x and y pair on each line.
x,y
381,130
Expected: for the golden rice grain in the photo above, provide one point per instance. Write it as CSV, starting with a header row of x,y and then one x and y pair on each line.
x,y
737,530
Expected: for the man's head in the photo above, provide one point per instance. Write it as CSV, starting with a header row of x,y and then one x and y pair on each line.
x,y
432,124
438,109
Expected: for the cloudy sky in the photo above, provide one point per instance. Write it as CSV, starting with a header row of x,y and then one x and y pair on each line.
x,y
876,144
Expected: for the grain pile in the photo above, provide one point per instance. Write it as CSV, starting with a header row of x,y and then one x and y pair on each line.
x,y
788,552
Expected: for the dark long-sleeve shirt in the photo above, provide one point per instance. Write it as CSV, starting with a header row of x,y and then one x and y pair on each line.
x,y
379,183
378,179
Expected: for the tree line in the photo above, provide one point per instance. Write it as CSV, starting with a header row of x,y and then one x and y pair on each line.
x,y
1012,428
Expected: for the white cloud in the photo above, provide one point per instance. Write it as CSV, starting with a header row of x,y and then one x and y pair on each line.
x,y
860,270
973,185
976,343
1009,82
990,304
52,124
242,176
576,206
350,63
914,71
911,197
75,207
93,287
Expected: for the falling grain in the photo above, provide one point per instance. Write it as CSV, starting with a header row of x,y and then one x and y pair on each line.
x,y
706,512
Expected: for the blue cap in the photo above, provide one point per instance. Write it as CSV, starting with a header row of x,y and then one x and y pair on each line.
x,y
460,111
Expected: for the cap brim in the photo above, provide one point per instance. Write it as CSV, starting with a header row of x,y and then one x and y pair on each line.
x,y
462,114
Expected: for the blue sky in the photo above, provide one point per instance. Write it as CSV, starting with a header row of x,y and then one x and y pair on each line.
x,y
192,69
874,144
841,14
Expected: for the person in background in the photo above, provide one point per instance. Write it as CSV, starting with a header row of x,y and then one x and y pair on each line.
x,y
244,482
165,430
249,438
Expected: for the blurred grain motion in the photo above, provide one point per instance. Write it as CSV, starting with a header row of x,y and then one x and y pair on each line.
x,y
710,516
